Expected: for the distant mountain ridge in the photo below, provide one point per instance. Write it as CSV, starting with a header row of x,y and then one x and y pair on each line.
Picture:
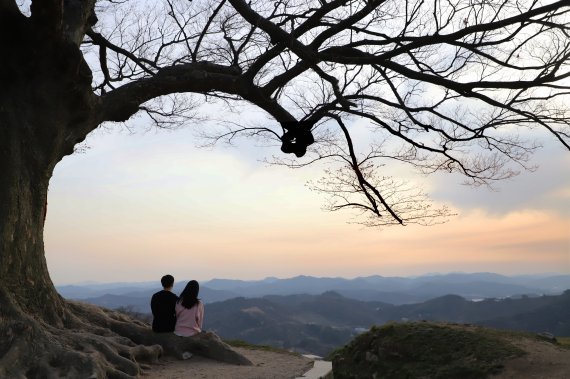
x,y
394,290
319,323
552,317
306,323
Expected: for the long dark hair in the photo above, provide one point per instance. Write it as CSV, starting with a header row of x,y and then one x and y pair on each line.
x,y
189,297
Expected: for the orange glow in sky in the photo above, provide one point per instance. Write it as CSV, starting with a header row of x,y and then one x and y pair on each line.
x,y
137,206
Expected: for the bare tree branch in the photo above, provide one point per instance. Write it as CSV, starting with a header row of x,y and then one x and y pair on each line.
x,y
455,83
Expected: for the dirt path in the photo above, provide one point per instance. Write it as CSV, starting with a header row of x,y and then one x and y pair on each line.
x,y
267,365
543,361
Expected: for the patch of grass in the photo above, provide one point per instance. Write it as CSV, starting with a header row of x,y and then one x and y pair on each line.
x,y
564,341
130,311
247,345
424,350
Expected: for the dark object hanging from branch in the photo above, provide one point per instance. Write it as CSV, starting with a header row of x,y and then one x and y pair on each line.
x,y
297,137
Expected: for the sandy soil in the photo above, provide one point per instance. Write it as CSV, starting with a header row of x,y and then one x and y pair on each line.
x,y
543,361
267,365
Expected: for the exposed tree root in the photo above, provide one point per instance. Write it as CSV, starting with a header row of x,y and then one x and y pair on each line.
x,y
93,343
205,344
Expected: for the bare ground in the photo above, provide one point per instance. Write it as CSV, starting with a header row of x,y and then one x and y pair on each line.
x,y
266,365
543,360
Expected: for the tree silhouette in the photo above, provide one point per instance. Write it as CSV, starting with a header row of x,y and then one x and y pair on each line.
x,y
446,85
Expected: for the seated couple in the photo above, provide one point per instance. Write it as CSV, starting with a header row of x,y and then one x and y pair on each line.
x,y
182,315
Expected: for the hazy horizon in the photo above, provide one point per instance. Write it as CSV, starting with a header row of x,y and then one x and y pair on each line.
x,y
427,274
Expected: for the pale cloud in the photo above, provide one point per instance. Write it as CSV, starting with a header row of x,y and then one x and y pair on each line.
x,y
546,188
135,207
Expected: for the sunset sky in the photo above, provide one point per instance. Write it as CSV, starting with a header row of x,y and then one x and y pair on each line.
x,y
134,207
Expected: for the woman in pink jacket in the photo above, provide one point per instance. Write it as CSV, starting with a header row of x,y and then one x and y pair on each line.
x,y
189,311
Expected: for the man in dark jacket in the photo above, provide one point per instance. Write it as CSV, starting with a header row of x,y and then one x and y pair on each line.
x,y
162,305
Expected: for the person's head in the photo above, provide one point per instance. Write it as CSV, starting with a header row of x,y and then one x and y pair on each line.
x,y
189,297
167,281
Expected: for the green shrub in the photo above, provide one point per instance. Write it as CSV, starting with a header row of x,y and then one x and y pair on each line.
x,y
423,350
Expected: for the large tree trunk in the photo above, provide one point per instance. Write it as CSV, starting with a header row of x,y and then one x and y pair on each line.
x,y
46,108
44,101
24,278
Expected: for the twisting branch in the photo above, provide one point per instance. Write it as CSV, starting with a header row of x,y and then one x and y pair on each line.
x,y
365,186
277,34
454,86
205,29
98,39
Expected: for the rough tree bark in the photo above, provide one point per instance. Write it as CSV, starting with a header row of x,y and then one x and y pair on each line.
x,y
46,107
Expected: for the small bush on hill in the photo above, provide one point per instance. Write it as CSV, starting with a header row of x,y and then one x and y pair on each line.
x,y
423,350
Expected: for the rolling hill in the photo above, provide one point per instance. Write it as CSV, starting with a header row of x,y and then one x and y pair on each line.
x,y
319,322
